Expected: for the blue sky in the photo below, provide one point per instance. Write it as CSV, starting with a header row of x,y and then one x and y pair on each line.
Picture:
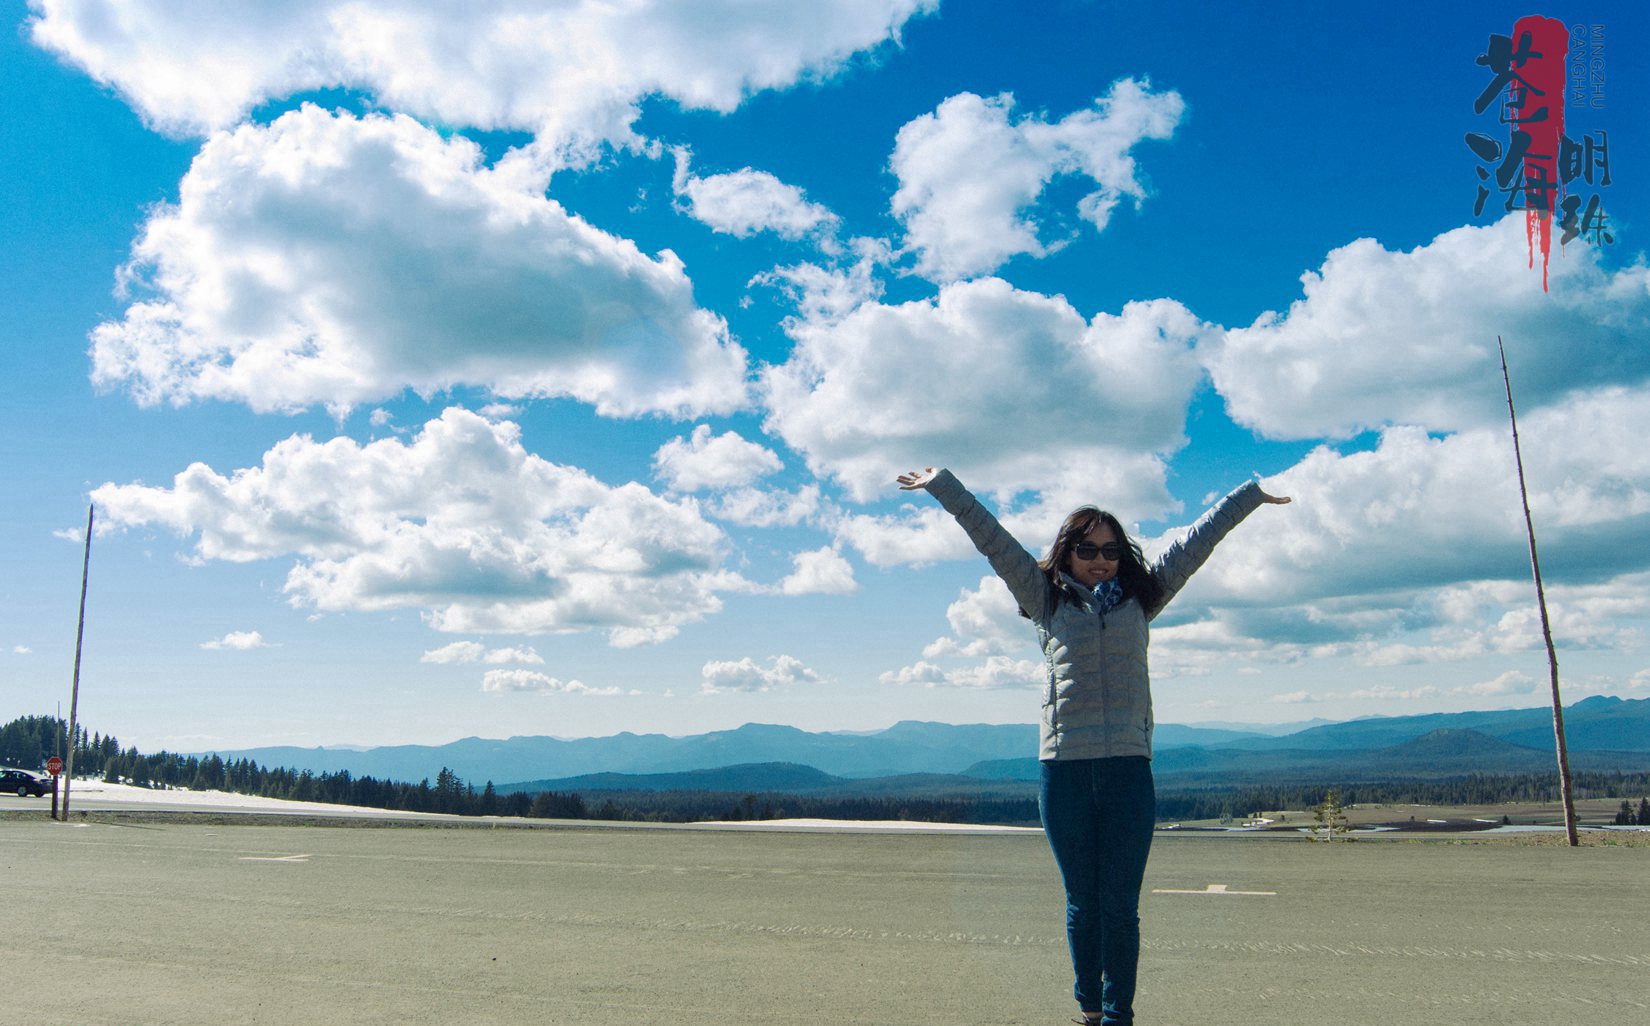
x,y
544,368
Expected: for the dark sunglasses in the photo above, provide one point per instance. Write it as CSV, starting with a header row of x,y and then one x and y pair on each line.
x,y
1088,550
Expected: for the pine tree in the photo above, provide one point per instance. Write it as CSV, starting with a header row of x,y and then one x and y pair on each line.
x,y
1331,818
449,791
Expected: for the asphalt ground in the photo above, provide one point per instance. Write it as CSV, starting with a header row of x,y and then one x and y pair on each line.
x,y
241,920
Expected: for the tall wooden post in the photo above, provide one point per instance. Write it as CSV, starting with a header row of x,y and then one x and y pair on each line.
x,y
57,732
79,637
1546,625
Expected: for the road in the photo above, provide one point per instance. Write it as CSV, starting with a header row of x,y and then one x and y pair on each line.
x,y
251,922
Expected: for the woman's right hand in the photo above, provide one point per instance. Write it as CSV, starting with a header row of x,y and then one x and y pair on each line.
x,y
916,479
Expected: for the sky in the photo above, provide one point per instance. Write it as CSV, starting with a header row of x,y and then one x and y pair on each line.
x,y
524,368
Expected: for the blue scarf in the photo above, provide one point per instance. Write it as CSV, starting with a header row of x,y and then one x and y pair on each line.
x,y
1108,594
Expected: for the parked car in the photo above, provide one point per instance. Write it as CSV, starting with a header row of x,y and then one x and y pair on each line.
x,y
22,783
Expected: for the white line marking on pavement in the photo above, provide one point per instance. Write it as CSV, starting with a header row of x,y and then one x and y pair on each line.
x,y
1215,888
277,858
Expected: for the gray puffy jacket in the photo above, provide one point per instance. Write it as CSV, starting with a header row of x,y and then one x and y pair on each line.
x,y
1097,702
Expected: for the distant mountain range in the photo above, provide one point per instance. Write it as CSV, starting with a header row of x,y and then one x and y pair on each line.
x,y
907,747
1436,755
1603,733
1600,723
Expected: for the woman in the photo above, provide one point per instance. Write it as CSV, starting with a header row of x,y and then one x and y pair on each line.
x,y
1091,599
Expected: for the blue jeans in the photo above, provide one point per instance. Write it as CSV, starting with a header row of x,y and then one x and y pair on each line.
x,y
1098,816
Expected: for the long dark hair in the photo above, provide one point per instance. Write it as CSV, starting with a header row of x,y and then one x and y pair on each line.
x,y
1137,581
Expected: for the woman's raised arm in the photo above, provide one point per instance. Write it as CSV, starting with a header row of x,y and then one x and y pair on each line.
x,y
1017,567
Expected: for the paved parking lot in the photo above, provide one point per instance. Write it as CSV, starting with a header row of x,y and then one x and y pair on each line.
x,y
250,922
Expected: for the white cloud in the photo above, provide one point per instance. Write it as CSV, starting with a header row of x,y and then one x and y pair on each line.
x,y
74,534
820,572
1512,682
984,622
1605,616
22,650
1419,513
237,641
1381,654
1012,389
996,672
1385,337
970,176
924,673
917,535
744,202
509,681
1387,693
990,646
746,675
459,521
648,634
519,654
758,507
1414,553
1404,629
381,417
570,70
329,259
823,294
457,652
474,652
706,462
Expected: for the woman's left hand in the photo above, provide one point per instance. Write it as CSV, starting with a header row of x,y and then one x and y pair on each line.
x,y
915,479
1276,500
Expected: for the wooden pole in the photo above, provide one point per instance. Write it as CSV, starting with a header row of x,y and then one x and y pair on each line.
x,y
57,732
79,637
1546,625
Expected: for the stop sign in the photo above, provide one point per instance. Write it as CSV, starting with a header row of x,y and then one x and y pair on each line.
x,y
54,765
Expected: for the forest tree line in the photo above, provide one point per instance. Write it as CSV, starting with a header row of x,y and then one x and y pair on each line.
x,y
1473,789
27,743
